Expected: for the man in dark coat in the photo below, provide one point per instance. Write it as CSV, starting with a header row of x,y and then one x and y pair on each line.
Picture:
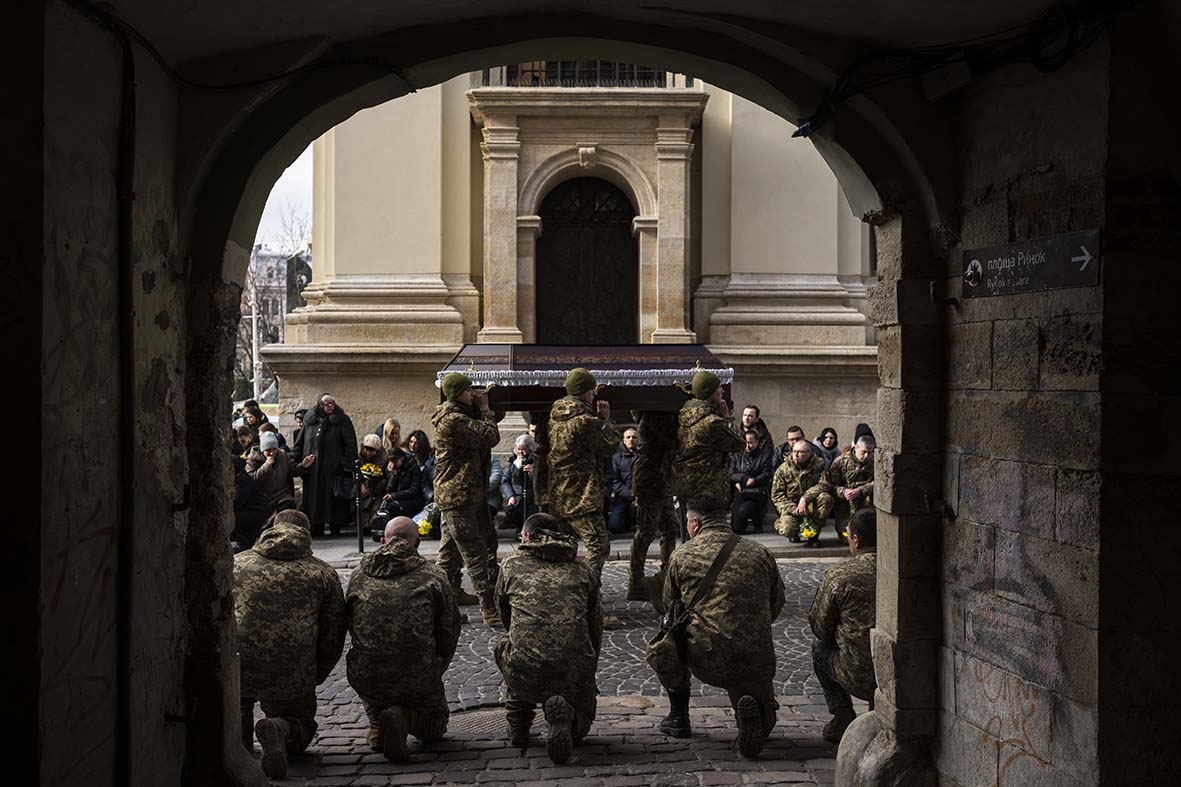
x,y
327,435
750,473
404,491
752,421
623,499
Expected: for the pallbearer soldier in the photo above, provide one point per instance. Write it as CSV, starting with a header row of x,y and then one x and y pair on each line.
x,y
465,431
581,440
652,477
707,438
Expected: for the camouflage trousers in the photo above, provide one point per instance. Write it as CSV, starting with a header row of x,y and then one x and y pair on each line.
x,y
426,721
842,513
654,519
680,678
592,529
520,712
299,714
468,539
792,526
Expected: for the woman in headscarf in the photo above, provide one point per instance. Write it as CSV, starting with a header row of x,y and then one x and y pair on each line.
x,y
828,445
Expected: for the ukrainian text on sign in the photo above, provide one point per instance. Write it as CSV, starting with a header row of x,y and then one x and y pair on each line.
x,y
1051,263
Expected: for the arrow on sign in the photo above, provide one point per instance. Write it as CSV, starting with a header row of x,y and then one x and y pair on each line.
x,y
1085,258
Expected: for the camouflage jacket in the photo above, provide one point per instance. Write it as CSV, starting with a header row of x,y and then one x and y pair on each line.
x,y
847,473
843,612
580,443
729,634
707,440
462,443
549,603
404,625
290,613
790,483
652,473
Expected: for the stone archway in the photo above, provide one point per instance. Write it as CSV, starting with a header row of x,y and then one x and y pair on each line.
x,y
587,266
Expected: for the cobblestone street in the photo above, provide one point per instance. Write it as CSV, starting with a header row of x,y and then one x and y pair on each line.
x,y
624,746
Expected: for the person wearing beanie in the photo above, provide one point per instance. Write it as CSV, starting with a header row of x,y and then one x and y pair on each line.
x,y
581,439
373,477
465,433
272,470
708,437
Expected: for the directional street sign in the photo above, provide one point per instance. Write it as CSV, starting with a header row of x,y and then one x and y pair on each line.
x,y
1051,263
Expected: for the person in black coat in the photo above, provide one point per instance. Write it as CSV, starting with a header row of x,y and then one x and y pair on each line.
x,y
750,473
404,491
250,508
619,481
327,435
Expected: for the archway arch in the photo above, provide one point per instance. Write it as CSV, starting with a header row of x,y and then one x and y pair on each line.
x,y
230,161
605,164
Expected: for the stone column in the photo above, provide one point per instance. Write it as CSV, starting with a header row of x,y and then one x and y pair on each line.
x,y
673,151
528,231
644,231
500,148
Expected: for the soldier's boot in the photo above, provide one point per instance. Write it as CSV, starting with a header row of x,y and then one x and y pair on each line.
x,y
834,730
558,716
610,622
635,580
272,737
394,729
793,532
677,724
373,738
465,599
248,730
520,721
491,616
752,727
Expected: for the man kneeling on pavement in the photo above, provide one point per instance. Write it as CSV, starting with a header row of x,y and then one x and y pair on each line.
x,y
404,625
727,634
843,612
549,603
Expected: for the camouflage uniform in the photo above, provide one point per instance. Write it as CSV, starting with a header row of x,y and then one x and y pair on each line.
x,y
652,479
404,625
809,482
291,624
847,473
843,612
462,445
728,637
549,602
707,440
579,444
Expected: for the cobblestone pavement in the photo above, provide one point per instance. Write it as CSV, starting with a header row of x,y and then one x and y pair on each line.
x,y
624,746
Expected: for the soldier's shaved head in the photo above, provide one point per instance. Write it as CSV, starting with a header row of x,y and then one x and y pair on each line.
x,y
402,527
541,521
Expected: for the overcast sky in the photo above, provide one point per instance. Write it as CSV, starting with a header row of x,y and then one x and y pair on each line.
x,y
294,188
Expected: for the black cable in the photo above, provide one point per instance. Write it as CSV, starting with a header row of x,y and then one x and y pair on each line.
x,y
111,21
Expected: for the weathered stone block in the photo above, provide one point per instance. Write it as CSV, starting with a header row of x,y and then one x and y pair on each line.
x,y
909,420
1041,428
1074,748
908,483
968,556
953,603
1033,645
1020,768
985,224
907,672
1048,576
904,248
904,722
1008,707
1015,346
1076,508
911,357
903,301
970,355
1012,495
965,754
1071,353
908,544
908,608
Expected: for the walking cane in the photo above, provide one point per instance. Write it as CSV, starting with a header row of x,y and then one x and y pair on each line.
x,y
357,494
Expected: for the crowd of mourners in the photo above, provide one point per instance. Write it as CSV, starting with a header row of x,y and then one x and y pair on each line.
x,y
572,479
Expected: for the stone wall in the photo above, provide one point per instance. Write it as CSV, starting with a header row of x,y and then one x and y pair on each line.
x,y
1020,552
80,431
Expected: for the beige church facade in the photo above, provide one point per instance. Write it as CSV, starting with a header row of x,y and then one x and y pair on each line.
x,y
477,211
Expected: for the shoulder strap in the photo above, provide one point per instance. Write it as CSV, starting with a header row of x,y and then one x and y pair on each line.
x,y
710,576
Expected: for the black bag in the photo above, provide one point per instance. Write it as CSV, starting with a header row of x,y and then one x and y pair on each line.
x,y
343,487
667,650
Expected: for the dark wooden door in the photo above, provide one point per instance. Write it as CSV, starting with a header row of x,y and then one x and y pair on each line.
x,y
587,270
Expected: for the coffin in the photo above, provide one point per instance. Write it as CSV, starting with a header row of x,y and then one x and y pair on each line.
x,y
530,377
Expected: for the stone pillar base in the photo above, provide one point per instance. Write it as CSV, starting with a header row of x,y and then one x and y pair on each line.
x,y
500,336
788,310
673,336
871,755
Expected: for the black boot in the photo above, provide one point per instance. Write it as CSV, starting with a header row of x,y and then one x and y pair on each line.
x,y
677,725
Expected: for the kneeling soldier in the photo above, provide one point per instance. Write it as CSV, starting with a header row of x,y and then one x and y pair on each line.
x,y
851,476
728,633
799,490
290,613
549,602
404,625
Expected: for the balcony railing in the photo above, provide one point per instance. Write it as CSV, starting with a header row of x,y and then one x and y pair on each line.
x,y
580,73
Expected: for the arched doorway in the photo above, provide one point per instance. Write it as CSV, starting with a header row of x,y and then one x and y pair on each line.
x,y
587,266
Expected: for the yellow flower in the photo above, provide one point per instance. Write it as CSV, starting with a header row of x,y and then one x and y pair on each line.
x,y
424,527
